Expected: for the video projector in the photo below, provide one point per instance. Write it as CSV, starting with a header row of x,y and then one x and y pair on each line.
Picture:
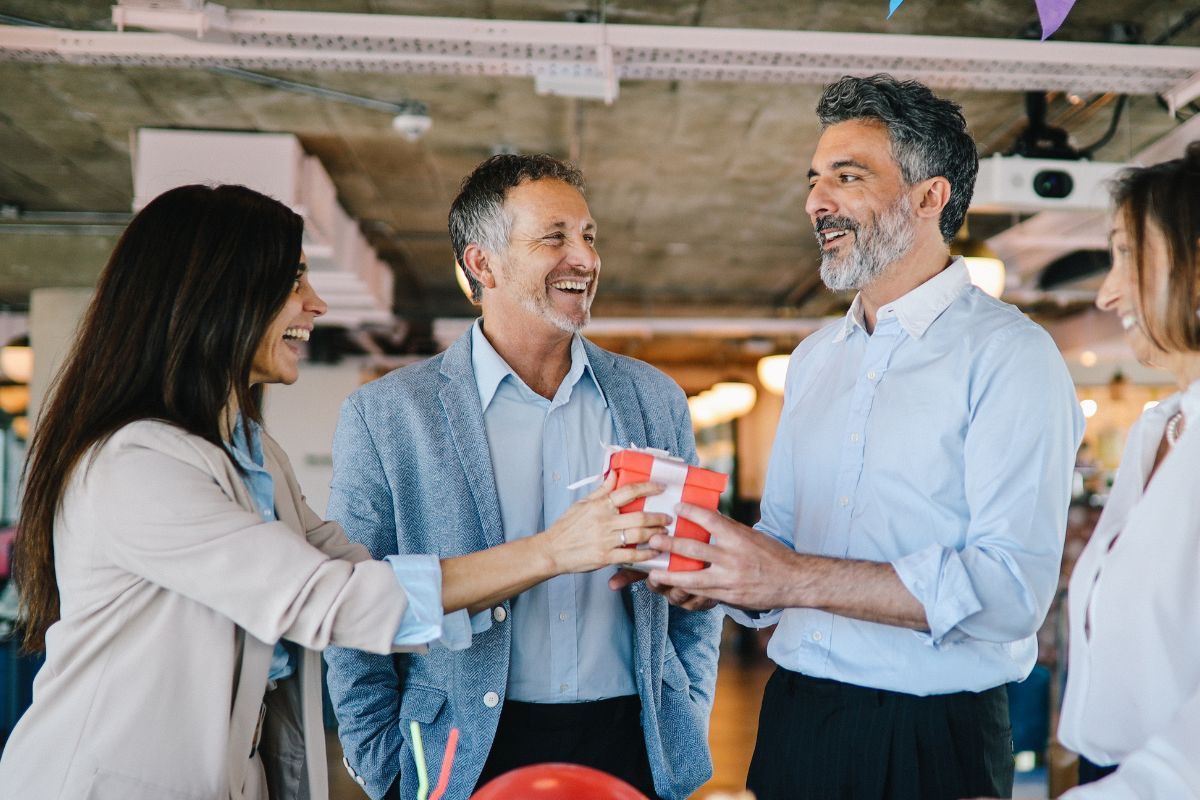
x,y
1015,183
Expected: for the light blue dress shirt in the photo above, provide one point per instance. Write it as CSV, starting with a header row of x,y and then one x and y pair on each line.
x,y
942,443
420,576
572,637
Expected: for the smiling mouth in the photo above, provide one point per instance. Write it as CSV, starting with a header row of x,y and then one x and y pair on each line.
x,y
296,334
573,286
829,237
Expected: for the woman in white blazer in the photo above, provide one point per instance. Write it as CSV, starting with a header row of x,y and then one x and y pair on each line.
x,y
1132,703
167,561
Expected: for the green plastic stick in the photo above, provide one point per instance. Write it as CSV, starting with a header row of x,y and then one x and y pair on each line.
x,y
419,756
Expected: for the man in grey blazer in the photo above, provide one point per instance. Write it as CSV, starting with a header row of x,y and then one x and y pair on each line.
x,y
481,445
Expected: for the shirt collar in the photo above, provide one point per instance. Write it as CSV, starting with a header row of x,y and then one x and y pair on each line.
x,y
491,369
245,443
916,310
1189,403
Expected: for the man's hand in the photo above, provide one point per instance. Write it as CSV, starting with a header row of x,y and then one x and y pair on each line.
x,y
751,570
746,568
676,597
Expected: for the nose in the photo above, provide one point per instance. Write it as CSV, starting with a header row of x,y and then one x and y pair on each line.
x,y
819,203
1110,293
313,303
584,256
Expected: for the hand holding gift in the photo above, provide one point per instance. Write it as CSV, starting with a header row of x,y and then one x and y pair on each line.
x,y
680,483
594,533
746,568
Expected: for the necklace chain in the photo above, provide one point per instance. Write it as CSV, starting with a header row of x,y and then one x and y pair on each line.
x,y
1173,428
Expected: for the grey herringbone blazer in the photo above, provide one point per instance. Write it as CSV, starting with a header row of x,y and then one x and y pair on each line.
x,y
413,474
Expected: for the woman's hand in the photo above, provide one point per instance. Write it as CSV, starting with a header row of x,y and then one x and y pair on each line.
x,y
593,533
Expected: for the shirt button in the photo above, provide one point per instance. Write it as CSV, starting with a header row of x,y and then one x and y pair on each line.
x,y
491,699
871,375
562,687
499,614
854,437
562,616
555,476
817,636
843,501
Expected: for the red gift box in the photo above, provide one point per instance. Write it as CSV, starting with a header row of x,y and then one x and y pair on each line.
x,y
694,485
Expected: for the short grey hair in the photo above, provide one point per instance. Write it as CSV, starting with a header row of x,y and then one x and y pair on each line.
x,y
477,215
928,134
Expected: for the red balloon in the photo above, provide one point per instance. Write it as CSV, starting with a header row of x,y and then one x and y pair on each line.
x,y
557,782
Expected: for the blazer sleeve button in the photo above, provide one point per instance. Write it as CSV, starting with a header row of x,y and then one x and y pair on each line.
x,y
491,699
499,614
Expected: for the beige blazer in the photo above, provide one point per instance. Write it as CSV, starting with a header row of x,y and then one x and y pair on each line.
x,y
173,594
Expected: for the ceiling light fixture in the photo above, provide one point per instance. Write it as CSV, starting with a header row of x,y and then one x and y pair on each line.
x,y
772,372
983,265
16,360
724,402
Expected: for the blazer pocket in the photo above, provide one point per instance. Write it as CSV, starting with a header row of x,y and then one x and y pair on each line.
x,y
674,675
421,704
107,785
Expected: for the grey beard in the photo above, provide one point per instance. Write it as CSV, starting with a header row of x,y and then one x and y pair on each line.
x,y
876,246
552,315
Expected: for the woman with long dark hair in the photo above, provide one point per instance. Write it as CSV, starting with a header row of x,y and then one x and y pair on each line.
x,y
1132,703
166,559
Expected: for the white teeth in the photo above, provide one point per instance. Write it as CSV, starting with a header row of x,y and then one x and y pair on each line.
x,y
578,286
1128,321
831,235
296,333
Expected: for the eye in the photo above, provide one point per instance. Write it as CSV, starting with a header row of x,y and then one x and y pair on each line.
x,y
297,283
590,238
846,177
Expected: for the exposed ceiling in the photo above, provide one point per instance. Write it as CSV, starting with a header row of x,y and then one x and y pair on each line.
x,y
698,186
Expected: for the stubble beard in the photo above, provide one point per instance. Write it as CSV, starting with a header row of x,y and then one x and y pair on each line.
x,y
540,305
877,245
535,298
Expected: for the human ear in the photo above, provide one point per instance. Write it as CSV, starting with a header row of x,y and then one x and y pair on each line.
x,y
932,196
475,259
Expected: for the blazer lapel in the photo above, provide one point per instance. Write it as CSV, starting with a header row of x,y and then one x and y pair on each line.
x,y
459,396
629,428
629,424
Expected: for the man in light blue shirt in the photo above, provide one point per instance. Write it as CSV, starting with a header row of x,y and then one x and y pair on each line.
x,y
916,497
480,447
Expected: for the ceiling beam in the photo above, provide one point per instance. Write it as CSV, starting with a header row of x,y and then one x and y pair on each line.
x,y
194,35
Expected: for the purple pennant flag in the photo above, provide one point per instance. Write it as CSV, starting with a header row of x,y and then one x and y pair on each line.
x,y
1052,14
892,6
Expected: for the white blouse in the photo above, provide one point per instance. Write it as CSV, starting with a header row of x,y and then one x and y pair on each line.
x,y
1133,679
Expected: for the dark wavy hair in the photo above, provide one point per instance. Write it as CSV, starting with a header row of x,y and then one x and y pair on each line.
x,y
477,215
928,134
1167,197
171,333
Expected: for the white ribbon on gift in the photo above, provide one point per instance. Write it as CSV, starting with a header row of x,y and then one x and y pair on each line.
x,y
667,471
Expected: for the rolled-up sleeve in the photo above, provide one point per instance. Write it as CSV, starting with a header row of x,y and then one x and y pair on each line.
x,y
1019,453
424,621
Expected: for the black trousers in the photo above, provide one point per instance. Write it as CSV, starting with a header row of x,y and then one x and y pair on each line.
x,y
603,734
1090,772
824,740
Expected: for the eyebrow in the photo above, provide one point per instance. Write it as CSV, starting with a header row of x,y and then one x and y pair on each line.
x,y
301,267
561,225
845,162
